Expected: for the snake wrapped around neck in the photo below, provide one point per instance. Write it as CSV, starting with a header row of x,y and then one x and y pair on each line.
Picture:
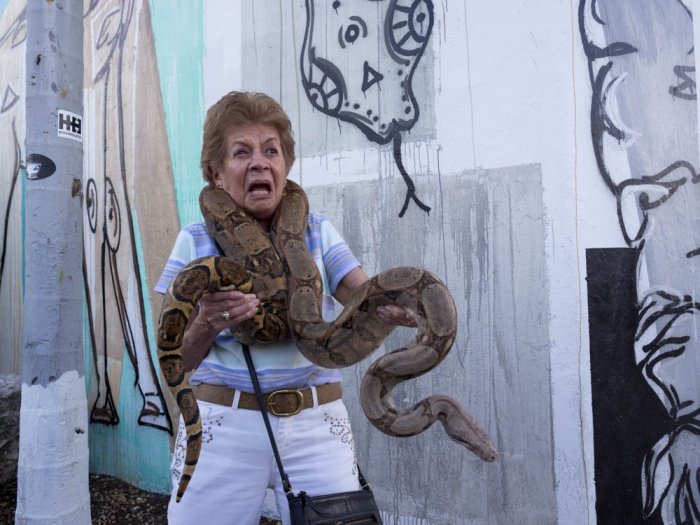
x,y
284,276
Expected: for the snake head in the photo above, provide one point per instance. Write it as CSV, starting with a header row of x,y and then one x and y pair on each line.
x,y
462,428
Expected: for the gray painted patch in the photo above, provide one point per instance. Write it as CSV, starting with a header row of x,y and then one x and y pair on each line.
x,y
485,238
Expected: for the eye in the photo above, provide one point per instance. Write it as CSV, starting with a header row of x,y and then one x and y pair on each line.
x,y
240,152
350,33
272,150
410,27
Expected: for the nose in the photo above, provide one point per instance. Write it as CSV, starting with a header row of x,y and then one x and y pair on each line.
x,y
258,160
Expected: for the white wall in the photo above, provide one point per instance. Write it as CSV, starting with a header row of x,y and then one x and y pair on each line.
x,y
504,95
510,88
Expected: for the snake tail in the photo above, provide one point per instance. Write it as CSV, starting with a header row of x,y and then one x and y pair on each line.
x,y
201,276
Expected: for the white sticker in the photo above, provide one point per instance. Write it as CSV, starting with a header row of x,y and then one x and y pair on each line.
x,y
70,125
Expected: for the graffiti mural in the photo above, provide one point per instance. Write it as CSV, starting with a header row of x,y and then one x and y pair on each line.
x,y
645,137
12,38
357,65
120,114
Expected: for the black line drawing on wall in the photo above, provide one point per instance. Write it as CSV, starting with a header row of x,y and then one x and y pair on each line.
x,y
13,31
113,281
15,170
644,132
10,100
384,40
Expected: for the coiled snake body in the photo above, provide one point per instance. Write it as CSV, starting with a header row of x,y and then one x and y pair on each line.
x,y
282,273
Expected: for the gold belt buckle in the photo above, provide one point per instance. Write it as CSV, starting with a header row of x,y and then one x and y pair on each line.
x,y
271,404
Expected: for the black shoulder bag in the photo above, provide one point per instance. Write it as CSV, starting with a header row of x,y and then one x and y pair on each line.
x,y
356,507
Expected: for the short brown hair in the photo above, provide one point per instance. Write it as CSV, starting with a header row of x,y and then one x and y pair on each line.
x,y
239,108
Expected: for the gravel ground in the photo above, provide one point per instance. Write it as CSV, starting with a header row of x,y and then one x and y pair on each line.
x,y
112,501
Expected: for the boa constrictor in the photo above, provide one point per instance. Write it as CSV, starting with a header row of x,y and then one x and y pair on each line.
x,y
286,280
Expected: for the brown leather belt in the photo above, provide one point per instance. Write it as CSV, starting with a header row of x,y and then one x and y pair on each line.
x,y
282,403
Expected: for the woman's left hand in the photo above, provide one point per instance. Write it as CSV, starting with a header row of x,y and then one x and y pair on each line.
x,y
390,313
397,315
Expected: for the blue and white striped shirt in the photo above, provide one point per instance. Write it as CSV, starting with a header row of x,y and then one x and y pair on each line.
x,y
279,365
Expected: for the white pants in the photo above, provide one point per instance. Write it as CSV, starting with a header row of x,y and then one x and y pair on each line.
x,y
236,465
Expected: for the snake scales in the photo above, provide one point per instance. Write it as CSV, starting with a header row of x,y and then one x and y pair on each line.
x,y
286,280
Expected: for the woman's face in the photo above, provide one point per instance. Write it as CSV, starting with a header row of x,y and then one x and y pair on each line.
x,y
254,170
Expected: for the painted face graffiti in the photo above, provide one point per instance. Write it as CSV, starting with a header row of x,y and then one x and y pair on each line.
x,y
644,130
357,65
380,100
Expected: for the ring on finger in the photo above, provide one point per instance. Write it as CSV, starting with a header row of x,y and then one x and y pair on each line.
x,y
226,315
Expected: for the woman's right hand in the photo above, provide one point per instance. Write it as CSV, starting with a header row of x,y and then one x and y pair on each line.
x,y
222,310
209,319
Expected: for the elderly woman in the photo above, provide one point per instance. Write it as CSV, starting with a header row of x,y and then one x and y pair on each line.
x,y
248,150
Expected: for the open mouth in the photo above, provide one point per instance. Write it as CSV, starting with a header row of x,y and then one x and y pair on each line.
x,y
260,189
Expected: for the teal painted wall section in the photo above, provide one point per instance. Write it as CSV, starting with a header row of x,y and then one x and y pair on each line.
x,y
146,447
178,34
178,38
136,453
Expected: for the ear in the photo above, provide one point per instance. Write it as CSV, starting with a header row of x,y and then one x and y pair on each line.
x,y
215,176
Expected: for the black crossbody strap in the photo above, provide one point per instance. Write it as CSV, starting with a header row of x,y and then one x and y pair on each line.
x,y
263,410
